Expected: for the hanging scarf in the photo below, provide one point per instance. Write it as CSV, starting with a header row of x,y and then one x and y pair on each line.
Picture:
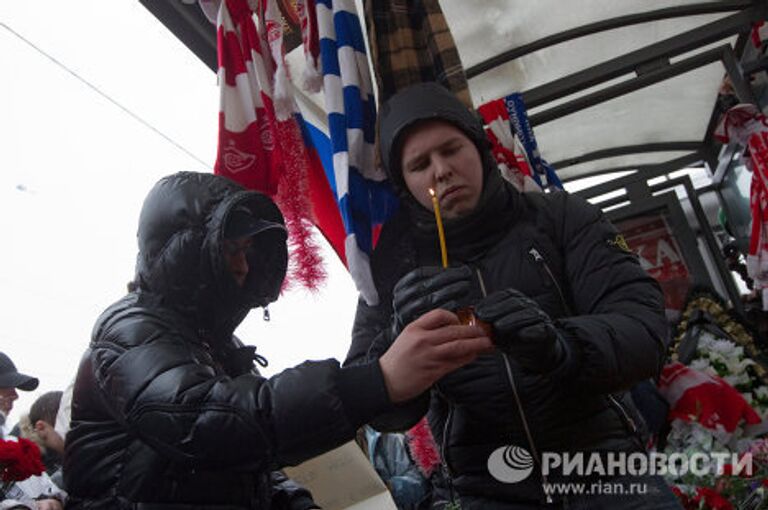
x,y
411,43
312,79
256,148
365,200
746,125
506,147
543,173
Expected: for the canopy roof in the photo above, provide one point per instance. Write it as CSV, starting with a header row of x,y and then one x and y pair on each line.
x,y
609,85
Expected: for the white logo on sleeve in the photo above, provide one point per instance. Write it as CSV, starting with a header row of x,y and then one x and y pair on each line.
x,y
510,464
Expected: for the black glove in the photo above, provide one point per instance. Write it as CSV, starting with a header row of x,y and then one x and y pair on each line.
x,y
523,329
428,288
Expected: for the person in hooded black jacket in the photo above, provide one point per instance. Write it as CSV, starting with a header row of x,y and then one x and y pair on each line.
x,y
168,410
575,319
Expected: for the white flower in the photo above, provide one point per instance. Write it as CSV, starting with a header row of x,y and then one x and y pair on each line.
x,y
736,379
738,366
700,364
723,347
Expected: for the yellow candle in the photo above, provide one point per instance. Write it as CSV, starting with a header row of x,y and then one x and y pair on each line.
x,y
440,231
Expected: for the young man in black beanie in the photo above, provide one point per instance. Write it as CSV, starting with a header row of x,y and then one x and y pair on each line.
x,y
576,321
168,409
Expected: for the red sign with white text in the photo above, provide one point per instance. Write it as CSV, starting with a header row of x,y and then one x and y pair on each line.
x,y
651,238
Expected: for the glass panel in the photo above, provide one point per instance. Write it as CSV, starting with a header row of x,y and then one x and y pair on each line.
x,y
477,42
643,158
677,109
699,176
735,192
504,24
586,182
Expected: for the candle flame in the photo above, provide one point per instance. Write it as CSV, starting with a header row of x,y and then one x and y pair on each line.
x,y
431,192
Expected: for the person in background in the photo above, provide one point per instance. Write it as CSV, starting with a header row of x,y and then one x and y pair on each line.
x,y
10,381
38,426
18,495
575,319
168,410
388,453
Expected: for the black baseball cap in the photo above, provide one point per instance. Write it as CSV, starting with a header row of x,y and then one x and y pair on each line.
x,y
11,378
242,223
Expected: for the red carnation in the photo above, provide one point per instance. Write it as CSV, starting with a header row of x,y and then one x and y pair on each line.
x,y
712,499
19,460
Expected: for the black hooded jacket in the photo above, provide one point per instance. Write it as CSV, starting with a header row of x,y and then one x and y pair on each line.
x,y
168,411
561,252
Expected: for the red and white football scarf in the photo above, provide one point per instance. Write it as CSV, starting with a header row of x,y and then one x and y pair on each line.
x,y
260,141
697,396
506,148
746,125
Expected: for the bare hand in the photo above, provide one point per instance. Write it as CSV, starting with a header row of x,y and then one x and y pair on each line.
x,y
427,349
49,504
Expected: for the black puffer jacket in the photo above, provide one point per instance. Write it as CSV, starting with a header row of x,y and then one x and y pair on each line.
x,y
558,250
167,409
609,311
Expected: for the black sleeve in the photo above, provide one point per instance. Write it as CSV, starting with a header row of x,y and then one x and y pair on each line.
x,y
618,333
371,337
289,495
164,391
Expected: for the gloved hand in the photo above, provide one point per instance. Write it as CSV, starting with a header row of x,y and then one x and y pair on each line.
x,y
428,288
523,329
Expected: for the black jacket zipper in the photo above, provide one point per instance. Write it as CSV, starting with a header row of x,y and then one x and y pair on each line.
x,y
444,462
518,402
539,259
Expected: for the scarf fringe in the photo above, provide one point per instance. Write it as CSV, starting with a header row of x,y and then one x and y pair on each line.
x,y
423,447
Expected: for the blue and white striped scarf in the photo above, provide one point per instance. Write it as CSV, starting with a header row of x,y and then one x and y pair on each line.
x,y
365,199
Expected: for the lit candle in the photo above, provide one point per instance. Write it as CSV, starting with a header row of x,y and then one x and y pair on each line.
x,y
440,231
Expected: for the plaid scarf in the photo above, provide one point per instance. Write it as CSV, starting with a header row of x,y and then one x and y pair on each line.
x,y
411,43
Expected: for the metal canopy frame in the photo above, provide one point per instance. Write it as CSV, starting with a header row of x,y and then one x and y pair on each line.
x,y
188,23
603,25
667,204
638,192
657,52
645,171
650,64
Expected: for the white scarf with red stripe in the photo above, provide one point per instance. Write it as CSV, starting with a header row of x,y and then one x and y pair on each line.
x,y
746,125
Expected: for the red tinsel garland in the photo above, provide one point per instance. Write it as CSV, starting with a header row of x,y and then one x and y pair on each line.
x,y
423,447
292,197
